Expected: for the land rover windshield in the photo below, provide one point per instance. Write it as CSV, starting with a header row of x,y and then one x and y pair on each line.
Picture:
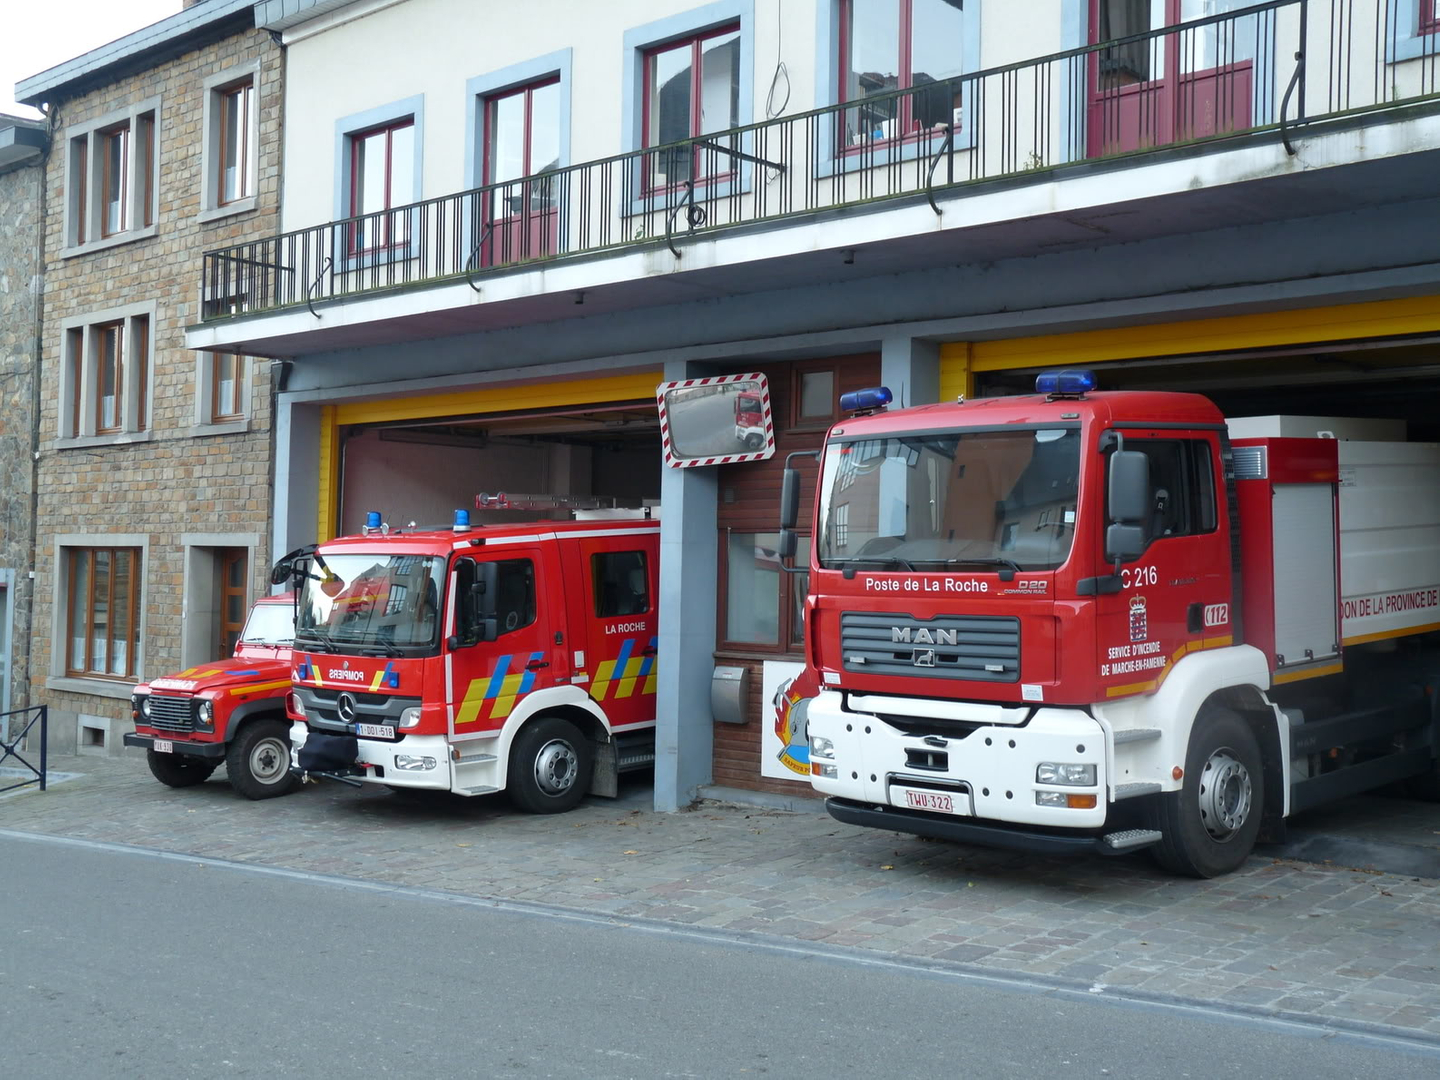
x,y
973,501
380,604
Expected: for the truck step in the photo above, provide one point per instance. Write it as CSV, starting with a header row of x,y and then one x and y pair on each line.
x,y
1130,839
1132,791
474,759
636,760
1137,735
485,789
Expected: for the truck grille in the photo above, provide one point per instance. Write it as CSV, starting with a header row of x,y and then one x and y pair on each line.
x,y
172,713
983,648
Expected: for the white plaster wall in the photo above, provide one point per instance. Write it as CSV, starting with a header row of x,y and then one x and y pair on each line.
x,y
432,47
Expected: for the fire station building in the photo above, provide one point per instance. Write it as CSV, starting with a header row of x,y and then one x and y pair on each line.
x,y
499,235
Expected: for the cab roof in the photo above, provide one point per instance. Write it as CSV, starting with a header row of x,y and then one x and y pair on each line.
x,y
1096,407
438,540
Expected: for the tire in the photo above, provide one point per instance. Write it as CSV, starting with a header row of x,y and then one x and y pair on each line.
x,y
1209,826
178,770
754,440
258,760
550,767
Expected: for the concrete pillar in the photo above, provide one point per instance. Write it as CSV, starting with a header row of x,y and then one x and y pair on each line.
x,y
297,483
911,369
688,554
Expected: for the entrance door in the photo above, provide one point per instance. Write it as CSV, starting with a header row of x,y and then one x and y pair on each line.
x,y
1170,87
522,138
234,577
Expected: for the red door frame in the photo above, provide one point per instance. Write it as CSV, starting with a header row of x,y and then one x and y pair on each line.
x,y
527,233
1177,106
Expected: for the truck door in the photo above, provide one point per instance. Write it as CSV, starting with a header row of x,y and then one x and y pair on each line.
x,y
1175,599
488,679
617,604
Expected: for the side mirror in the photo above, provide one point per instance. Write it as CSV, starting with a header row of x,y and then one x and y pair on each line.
x,y
789,503
1129,506
1129,486
281,572
788,544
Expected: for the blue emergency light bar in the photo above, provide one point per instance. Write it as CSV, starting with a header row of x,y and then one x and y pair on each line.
x,y
372,519
876,397
1072,382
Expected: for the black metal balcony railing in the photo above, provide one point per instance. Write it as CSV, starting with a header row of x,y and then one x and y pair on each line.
x,y
1272,66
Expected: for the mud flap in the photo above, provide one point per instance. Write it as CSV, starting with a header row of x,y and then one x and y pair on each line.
x,y
605,779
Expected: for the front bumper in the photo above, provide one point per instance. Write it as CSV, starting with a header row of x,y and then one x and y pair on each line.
x,y
990,771
177,746
375,762
1011,838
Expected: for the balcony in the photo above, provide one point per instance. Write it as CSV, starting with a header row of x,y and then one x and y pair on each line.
x,y
1278,74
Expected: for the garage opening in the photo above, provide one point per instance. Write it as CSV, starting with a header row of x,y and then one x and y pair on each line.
x,y
422,471
1391,379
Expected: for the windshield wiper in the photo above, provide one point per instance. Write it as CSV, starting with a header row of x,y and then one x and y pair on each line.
x,y
316,635
384,648
1004,564
884,561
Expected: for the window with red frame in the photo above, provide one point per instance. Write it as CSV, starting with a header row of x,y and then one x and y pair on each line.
x,y
1430,16
692,88
522,138
893,45
382,178
114,181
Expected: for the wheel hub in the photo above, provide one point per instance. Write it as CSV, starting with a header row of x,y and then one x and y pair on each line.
x,y
1226,794
556,767
268,761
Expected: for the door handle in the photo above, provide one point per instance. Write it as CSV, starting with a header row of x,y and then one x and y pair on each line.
x,y
1195,618
536,665
649,650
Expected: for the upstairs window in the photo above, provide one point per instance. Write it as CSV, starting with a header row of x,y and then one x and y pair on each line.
x,y
112,165
103,617
105,377
692,88
382,178
232,137
890,45
236,151
227,387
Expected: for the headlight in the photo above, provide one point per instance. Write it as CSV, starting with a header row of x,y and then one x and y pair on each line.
x,y
205,713
410,717
1067,775
821,747
293,703
141,704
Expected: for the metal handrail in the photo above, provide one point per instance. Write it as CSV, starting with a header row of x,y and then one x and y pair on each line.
x,y
38,714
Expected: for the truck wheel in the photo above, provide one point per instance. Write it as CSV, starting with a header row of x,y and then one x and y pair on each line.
x,y
1209,826
550,766
754,440
258,760
177,770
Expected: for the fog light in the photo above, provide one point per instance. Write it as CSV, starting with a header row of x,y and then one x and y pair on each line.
x,y
1065,800
821,747
1069,775
411,763
1049,798
827,771
410,717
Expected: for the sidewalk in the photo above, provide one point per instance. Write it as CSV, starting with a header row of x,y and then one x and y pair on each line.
x,y
1348,946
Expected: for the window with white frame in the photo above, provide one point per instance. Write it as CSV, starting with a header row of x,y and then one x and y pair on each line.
x,y
105,375
112,165
232,129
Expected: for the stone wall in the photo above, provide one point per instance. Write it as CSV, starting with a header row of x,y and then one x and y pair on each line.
x,y
176,479
20,191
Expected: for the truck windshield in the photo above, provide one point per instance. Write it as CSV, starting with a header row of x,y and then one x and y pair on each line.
x,y
978,500
377,602
270,624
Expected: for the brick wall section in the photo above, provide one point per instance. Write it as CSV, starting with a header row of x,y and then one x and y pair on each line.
x,y
175,482
19,299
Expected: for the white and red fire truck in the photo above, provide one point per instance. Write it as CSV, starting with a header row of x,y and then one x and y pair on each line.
x,y
1107,621
471,660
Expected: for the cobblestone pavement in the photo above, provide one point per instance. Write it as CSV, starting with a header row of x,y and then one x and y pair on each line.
x,y
1347,947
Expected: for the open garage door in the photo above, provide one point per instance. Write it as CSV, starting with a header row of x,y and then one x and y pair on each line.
x,y
423,470
1392,379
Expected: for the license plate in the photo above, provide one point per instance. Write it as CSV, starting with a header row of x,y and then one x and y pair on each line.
x,y
937,802
163,746
374,731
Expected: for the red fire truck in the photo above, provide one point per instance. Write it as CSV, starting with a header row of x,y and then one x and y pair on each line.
x,y
1108,621
228,710
516,657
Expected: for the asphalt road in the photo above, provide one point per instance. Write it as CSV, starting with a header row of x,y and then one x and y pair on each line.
x,y
120,962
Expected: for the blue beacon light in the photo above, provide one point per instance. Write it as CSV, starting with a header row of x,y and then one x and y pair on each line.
x,y
1072,382
462,520
875,397
372,519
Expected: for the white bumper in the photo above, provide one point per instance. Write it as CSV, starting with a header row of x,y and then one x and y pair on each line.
x,y
427,755
995,762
